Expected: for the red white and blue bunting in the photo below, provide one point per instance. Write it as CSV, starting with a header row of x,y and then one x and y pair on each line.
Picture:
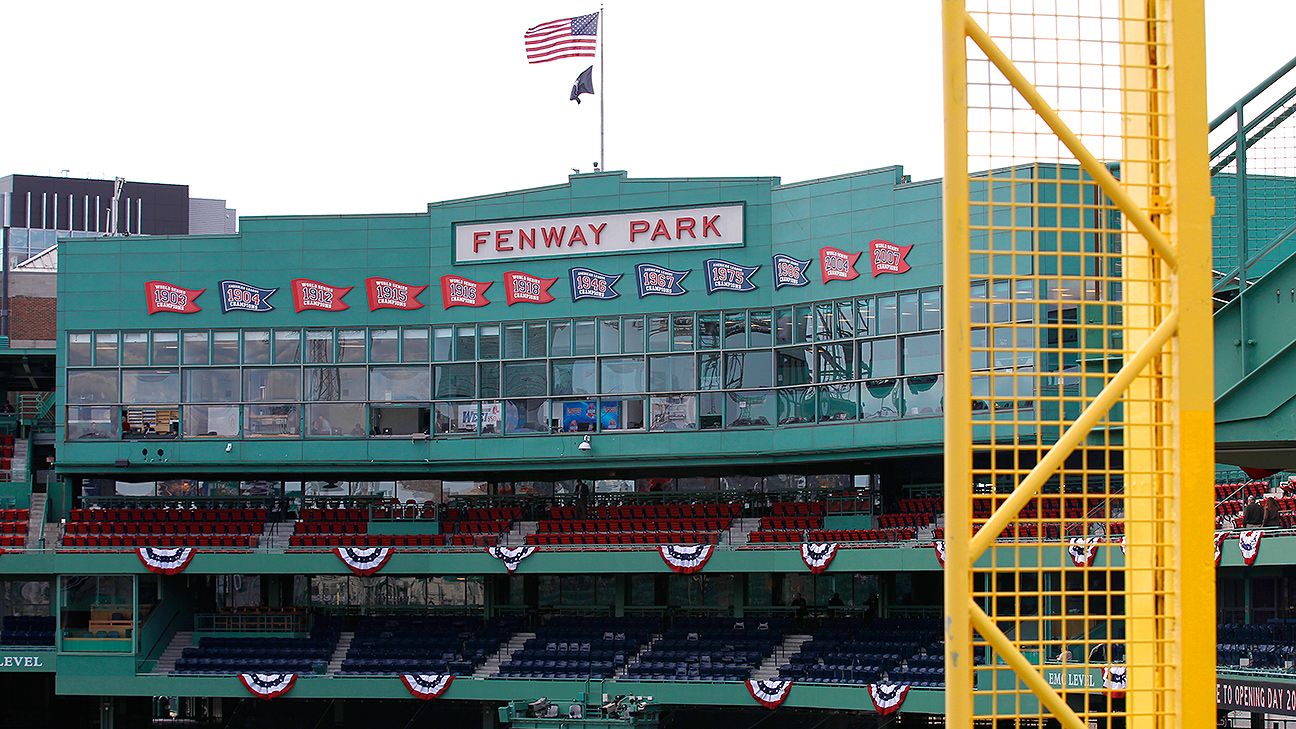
x,y
1082,550
1120,541
1114,681
887,697
1219,546
364,561
511,556
427,686
268,685
769,693
939,546
165,560
686,558
818,555
1249,543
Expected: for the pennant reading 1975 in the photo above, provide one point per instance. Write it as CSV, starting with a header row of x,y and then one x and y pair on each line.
x,y
725,276
163,296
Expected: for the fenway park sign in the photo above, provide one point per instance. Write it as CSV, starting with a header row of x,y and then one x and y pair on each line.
x,y
645,231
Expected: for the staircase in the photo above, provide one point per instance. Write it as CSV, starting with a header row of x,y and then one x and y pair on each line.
x,y
167,661
517,536
340,652
790,646
740,531
18,473
492,664
36,521
634,660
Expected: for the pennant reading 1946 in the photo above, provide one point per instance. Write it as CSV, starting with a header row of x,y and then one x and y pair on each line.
x,y
385,293
725,276
311,295
523,288
239,296
460,291
655,280
163,296
587,283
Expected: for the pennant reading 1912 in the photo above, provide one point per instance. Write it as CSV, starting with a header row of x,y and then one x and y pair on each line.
x,y
590,284
725,276
887,257
238,296
789,271
654,280
163,296
311,295
837,265
523,288
460,291
385,293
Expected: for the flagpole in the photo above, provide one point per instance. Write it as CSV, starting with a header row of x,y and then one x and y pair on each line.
x,y
602,46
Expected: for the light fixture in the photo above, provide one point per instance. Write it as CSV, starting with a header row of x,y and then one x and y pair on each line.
x,y
585,444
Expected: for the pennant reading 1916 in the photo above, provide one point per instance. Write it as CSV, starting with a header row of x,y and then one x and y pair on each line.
x,y
239,296
385,293
163,296
725,276
789,271
655,280
460,291
587,283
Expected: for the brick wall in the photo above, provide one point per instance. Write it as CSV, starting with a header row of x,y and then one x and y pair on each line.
x,y
32,318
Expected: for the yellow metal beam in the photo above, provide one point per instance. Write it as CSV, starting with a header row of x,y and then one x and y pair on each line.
x,y
1021,666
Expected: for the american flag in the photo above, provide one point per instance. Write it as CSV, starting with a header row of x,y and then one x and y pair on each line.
x,y
565,38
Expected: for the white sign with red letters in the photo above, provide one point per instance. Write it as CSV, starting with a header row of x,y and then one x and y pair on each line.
x,y
646,231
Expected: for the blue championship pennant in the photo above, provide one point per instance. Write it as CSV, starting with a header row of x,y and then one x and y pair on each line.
x,y
726,276
789,271
655,280
238,296
589,284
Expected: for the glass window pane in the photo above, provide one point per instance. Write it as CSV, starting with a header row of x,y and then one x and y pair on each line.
x,y
414,344
465,343
879,399
91,386
383,345
398,420
455,417
931,310
537,339
346,419
609,338
225,348
633,327
977,294
709,374
135,348
760,333
750,409
526,416
336,383
672,373
682,333
166,348
211,421
319,345
845,320
878,358
825,320
574,377
351,345
803,322
442,344
749,369
864,317
525,379
835,362
78,350
196,348
105,348
621,374
735,329
583,337
150,423
922,354
86,422
456,380
271,384
560,344
400,384
709,330
272,421
514,343
256,347
577,416
783,326
287,346
488,379
796,405
794,366
909,312
886,315
621,414
924,396
659,334
839,402
150,386
673,412
212,386
488,341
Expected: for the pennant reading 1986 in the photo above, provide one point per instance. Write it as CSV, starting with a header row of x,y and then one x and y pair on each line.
x,y
655,280
311,295
726,276
385,293
163,296
789,271
590,284
887,257
460,291
837,265
238,296
523,288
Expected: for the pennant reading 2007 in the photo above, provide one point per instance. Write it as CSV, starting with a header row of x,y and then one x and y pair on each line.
x,y
385,293
163,296
655,280
311,295
460,291
238,296
837,265
523,288
726,276
590,284
789,271
887,257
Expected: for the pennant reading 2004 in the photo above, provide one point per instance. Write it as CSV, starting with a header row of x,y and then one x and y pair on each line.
x,y
385,293
726,276
523,288
311,295
163,296
655,280
238,296
837,265
460,291
590,284
789,271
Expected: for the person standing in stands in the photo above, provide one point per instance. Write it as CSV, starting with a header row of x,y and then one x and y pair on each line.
x,y
1270,512
1252,515
799,602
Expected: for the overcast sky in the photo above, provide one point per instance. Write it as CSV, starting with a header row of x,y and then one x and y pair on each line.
x,y
331,107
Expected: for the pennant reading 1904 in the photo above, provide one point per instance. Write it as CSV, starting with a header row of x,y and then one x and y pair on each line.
x,y
590,284
726,276
789,271
655,280
238,296
163,296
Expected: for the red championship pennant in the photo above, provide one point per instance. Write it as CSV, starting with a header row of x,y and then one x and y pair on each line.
x,y
837,265
163,296
523,288
460,291
887,257
311,295
385,293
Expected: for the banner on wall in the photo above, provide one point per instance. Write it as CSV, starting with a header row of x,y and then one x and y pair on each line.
x,y
385,293
587,283
239,296
887,257
460,291
309,295
523,288
789,271
654,280
726,276
837,265
163,296
489,418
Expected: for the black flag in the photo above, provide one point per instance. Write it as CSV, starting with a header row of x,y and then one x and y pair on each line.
x,y
584,84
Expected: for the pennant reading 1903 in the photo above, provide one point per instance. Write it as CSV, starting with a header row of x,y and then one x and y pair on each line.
x,y
238,296
385,293
726,276
789,271
655,280
311,295
460,291
887,257
590,284
163,296
837,265
523,288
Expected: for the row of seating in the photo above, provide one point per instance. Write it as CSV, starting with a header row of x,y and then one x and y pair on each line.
x,y
348,515
14,515
861,535
696,649
330,527
649,511
13,527
784,523
13,540
28,630
633,525
158,528
163,514
798,508
573,647
238,541
896,521
483,513
848,651
424,644
329,541
922,505
265,654
625,538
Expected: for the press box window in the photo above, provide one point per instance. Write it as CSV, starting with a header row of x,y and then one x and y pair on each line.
x,y
197,348
272,421
287,346
414,344
135,348
351,345
211,421
166,348
225,348
400,384
78,350
271,384
92,386
105,348
384,346
256,347
319,345
336,383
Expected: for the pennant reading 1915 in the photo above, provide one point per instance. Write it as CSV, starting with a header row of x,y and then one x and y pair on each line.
x,y
725,276
385,293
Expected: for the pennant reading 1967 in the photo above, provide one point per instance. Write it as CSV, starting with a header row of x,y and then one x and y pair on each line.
x,y
460,291
163,296
837,265
789,271
655,280
523,288
590,284
311,295
726,276
385,293
238,296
